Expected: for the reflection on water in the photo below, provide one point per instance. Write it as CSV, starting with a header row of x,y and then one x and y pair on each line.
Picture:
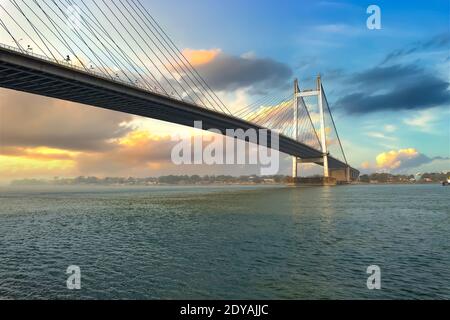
x,y
225,242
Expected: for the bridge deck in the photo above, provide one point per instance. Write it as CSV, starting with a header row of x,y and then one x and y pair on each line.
x,y
27,73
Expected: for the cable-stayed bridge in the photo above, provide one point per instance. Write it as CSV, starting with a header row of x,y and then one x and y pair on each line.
x,y
115,55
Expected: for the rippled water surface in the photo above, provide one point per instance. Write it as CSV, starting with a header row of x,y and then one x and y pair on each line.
x,y
225,242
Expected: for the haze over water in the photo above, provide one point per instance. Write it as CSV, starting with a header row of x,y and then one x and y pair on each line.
x,y
233,242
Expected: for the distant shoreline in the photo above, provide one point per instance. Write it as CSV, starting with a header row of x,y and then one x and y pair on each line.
x,y
221,180
204,184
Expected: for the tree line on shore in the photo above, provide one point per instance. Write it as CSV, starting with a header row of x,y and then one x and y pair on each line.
x,y
171,179
220,179
399,178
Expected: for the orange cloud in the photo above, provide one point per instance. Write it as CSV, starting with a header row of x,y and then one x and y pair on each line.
x,y
39,153
366,165
139,152
402,161
200,57
393,159
36,162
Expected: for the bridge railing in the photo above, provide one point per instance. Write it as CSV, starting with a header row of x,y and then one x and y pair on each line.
x,y
92,72
79,68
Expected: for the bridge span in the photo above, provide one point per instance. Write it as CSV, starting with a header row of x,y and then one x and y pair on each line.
x,y
37,75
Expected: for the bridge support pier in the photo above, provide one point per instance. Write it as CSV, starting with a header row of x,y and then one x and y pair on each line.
x,y
326,170
342,175
313,181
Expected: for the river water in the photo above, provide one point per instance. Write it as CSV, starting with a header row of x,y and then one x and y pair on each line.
x,y
231,242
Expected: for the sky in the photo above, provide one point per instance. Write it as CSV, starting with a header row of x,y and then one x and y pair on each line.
x,y
388,88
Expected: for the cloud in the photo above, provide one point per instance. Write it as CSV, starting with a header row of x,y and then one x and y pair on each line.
x,y
338,29
408,160
437,165
378,76
401,160
19,168
390,128
227,72
397,86
380,135
199,57
423,121
394,88
366,165
33,121
139,153
40,153
436,42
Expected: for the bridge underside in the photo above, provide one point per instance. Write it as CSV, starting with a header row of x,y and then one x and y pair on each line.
x,y
30,74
